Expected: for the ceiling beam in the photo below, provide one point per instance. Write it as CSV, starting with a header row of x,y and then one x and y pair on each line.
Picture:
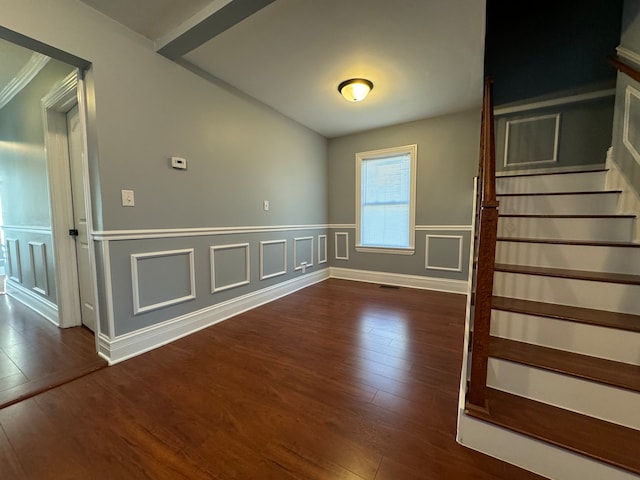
x,y
210,22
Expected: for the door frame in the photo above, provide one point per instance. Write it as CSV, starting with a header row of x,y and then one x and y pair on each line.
x,y
55,105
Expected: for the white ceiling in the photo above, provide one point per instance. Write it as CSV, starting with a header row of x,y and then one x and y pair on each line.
x,y
425,57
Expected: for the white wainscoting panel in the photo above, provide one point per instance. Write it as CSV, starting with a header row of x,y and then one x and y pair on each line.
x,y
456,239
322,249
13,259
308,259
136,258
246,268
39,269
271,247
342,245
552,141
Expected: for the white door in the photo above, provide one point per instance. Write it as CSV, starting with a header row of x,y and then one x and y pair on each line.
x,y
76,152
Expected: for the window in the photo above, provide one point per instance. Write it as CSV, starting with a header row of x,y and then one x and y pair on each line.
x,y
385,200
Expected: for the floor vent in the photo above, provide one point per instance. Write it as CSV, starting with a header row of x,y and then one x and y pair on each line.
x,y
390,286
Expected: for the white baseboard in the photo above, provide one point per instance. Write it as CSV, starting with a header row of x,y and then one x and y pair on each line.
x,y
401,280
533,455
34,301
132,344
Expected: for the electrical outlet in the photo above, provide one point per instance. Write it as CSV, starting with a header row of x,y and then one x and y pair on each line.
x,y
128,199
304,267
265,205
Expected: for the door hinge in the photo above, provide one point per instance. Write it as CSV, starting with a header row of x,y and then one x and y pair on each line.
x,y
73,232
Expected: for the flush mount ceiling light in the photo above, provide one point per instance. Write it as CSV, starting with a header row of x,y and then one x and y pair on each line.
x,y
355,89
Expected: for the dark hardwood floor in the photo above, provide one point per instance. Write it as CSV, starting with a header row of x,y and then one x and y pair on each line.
x,y
341,380
35,355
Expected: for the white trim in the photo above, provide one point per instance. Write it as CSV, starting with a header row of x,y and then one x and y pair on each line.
x,y
322,250
15,271
295,253
27,229
346,247
444,228
135,284
108,294
212,261
402,280
35,302
196,232
628,54
556,135
583,97
338,226
630,91
393,251
44,289
27,73
132,344
412,151
284,258
448,269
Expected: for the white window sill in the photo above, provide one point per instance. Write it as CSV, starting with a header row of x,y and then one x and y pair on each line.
x,y
394,251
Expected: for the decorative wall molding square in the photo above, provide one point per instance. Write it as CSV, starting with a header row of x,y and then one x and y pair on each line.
x,y
268,244
553,140
427,256
38,259
14,263
322,249
342,248
135,279
309,259
247,266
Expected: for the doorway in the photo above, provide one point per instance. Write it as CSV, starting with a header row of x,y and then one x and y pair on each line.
x,y
65,144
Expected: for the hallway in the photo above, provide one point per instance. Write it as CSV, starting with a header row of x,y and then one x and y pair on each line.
x,y
35,355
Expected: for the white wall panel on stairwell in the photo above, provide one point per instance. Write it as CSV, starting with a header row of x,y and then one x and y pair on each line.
x,y
590,258
575,204
606,229
566,182
613,297
594,340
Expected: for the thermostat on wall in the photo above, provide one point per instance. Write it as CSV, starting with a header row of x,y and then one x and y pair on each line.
x,y
179,163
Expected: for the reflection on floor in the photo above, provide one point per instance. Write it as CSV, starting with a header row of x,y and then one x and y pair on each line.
x,y
35,355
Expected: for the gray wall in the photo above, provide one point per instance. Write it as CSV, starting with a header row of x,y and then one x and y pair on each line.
x,y
583,132
143,109
447,162
23,184
628,164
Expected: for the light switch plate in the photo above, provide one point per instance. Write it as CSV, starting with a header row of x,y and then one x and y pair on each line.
x,y
128,199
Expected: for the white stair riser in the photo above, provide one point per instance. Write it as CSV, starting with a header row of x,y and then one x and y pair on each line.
x,y
575,257
593,340
568,182
610,229
585,204
613,297
611,404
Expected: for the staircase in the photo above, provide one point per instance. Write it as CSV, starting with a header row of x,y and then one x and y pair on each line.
x,y
564,345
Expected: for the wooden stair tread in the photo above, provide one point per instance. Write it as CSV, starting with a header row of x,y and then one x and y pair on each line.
x,y
542,174
617,374
567,273
553,241
539,194
621,321
607,442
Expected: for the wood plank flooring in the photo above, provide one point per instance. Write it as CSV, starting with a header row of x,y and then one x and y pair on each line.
x,y
341,380
35,355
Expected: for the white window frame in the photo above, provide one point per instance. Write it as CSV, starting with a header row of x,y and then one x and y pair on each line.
x,y
412,151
